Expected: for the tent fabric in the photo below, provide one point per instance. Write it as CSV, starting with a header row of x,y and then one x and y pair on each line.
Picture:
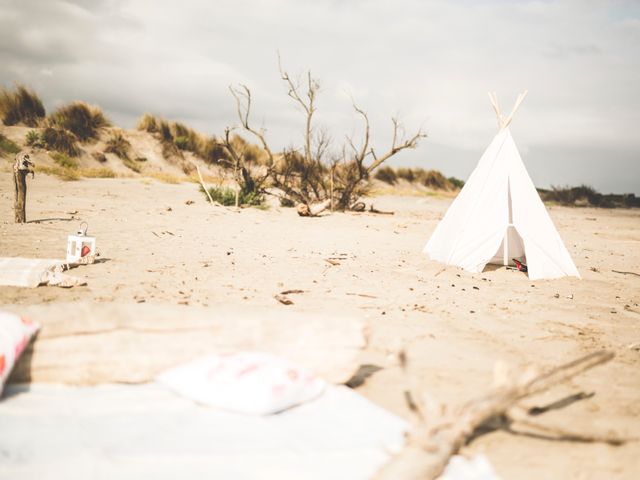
x,y
499,202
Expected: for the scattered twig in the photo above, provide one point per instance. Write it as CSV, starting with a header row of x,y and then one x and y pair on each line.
x,y
626,273
380,212
283,300
361,295
332,261
288,292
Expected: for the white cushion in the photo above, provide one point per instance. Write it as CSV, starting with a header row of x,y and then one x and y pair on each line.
x,y
248,382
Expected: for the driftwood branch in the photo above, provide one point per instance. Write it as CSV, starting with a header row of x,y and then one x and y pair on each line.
x,y
431,445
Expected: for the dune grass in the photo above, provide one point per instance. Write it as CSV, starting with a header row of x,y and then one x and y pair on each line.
x,y
428,178
81,119
67,174
586,196
60,140
227,196
8,147
118,145
21,105
64,161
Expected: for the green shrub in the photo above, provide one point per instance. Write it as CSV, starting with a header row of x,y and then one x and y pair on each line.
x,y
118,145
60,140
84,121
34,139
182,143
227,196
21,106
132,165
456,182
64,161
387,175
7,146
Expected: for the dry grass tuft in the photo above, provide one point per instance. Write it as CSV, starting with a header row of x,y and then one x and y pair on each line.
x,y
166,177
64,161
118,145
8,147
66,174
81,119
60,140
21,105
100,172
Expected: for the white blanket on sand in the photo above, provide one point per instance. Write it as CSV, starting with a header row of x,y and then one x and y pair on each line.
x,y
26,272
146,431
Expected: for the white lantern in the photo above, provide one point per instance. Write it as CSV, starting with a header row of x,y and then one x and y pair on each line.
x,y
81,248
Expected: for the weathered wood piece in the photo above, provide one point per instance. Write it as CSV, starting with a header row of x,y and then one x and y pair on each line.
x,y
88,344
441,434
21,168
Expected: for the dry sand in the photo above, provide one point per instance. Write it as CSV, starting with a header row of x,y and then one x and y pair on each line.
x,y
454,325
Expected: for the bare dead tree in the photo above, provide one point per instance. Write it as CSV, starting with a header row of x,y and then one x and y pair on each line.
x,y
311,175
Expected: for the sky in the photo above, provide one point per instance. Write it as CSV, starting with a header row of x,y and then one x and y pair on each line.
x,y
430,63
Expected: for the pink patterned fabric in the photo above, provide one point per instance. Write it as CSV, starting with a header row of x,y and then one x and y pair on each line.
x,y
15,334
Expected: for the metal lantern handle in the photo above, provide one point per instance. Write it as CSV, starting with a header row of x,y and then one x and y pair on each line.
x,y
84,230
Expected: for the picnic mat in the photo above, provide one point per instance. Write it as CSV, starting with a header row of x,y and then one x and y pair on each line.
x,y
146,431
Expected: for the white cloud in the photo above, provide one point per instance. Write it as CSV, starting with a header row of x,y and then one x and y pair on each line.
x,y
431,61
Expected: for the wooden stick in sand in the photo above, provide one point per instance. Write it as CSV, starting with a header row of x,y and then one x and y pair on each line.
x,y
206,190
431,445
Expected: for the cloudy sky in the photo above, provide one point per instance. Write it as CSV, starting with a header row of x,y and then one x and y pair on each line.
x,y
429,62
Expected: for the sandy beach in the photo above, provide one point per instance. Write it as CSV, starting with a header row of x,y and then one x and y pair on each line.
x,y
164,244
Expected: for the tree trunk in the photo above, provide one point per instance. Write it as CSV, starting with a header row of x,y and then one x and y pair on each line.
x,y
20,202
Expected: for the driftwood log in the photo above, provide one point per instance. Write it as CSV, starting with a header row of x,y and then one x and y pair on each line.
x,y
441,434
94,343
21,168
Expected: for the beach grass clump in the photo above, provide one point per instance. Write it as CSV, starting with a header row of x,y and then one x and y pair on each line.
x,y
99,172
227,196
148,123
165,177
67,174
586,196
64,161
81,119
132,164
60,140
433,179
7,146
21,105
118,145
212,151
387,175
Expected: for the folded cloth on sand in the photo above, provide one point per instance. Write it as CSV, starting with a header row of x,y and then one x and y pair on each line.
x,y
131,432
247,382
15,334
31,272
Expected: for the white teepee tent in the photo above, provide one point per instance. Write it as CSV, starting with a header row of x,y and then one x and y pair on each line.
x,y
498,216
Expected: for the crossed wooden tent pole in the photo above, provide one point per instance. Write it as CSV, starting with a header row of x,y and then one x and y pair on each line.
x,y
502,122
